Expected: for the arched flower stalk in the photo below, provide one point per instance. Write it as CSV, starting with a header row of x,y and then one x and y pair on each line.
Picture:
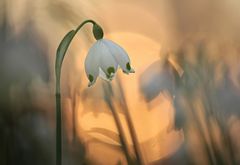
x,y
103,60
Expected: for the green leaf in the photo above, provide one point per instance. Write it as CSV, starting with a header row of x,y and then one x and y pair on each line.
x,y
61,51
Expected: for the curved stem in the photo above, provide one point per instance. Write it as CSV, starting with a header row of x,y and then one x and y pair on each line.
x,y
61,51
83,23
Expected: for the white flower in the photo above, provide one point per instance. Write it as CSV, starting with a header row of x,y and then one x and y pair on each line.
x,y
104,58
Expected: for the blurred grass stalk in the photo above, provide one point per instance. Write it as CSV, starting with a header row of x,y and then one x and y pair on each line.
x,y
107,95
198,91
133,134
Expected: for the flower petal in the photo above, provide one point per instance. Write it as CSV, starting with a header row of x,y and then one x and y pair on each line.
x,y
107,62
92,64
103,75
120,56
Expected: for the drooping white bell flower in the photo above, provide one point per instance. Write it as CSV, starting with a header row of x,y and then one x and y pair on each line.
x,y
104,58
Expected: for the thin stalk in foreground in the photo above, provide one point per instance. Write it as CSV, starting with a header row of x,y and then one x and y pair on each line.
x,y
132,131
117,121
61,51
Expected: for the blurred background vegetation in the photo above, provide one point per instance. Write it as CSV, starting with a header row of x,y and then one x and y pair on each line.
x,y
182,105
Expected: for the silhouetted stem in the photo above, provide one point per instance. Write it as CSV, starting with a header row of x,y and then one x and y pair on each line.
x,y
133,134
58,130
58,66
74,118
200,129
108,94
121,135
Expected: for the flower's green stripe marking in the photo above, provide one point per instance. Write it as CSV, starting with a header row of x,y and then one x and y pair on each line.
x,y
110,70
90,77
128,66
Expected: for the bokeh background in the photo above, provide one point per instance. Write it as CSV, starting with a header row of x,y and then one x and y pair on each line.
x,y
183,102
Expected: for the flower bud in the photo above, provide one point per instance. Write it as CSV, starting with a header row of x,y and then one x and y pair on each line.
x,y
97,32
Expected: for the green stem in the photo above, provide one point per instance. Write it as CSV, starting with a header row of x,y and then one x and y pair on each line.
x,y
133,134
136,146
108,96
58,130
83,23
122,137
58,64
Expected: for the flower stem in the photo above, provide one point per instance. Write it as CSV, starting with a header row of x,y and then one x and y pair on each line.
x,y
61,51
132,131
133,134
83,23
122,137
107,92
58,130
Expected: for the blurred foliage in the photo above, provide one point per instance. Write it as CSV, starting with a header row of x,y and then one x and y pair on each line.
x,y
27,133
204,98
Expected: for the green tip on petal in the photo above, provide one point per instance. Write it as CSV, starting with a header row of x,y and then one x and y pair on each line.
x,y
111,70
90,78
110,73
128,66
